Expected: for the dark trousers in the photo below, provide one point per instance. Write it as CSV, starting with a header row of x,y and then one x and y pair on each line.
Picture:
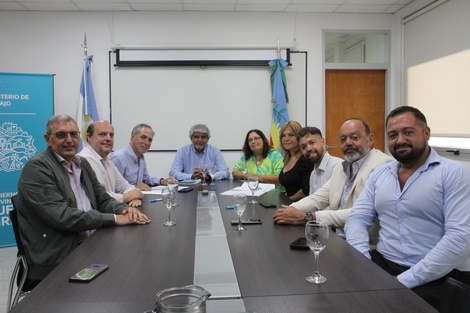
x,y
431,292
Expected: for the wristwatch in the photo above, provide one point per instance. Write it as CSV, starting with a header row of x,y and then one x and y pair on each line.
x,y
308,217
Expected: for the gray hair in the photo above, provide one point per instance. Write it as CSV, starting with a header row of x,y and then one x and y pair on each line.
x,y
61,118
138,127
199,128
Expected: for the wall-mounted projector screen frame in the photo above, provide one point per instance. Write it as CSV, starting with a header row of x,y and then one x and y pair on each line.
x,y
230,100
197,57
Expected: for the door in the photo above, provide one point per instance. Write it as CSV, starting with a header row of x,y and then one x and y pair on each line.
x,y
354,93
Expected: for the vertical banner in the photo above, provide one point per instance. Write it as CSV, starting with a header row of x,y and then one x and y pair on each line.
x,y
26,103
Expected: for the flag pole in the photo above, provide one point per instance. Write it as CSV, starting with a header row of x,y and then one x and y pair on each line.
x,y
278,50
85,46
85,85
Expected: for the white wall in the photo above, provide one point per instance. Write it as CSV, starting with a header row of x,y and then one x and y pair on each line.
x,y
437,74
50,42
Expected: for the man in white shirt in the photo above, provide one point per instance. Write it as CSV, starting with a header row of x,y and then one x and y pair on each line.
x,y
100,137
345,184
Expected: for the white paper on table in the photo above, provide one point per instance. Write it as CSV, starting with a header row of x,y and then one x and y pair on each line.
x,y
157,190
262,189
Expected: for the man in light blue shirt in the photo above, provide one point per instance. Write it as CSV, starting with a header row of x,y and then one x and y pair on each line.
x,y
190,158
422,201
313,147
130,160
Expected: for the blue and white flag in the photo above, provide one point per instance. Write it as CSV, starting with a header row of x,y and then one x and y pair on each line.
x,y
280,99
86,113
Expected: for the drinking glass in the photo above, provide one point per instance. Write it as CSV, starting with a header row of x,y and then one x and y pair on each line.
x,y
211,170
204,172
239,202
167,197
172,184
253,183
317,234
245,171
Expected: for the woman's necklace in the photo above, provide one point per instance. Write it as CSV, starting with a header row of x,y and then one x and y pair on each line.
x,y
259,160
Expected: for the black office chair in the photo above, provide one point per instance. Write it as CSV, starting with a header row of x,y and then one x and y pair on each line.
x,y
455,297
21,269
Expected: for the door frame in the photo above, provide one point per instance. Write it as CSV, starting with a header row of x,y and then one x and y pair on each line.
x,y
358,66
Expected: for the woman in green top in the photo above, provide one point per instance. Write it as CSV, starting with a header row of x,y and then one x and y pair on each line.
x,y
259,159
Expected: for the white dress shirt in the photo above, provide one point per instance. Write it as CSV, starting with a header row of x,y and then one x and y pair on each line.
x,y
107,173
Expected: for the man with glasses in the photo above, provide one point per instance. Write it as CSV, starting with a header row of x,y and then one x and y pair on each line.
x,y
60,200
189,159
130,160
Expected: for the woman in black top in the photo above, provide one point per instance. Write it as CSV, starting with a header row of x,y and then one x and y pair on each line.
x,y
295,176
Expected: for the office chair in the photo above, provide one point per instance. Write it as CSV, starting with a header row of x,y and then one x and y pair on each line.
x,y
21,269
455,297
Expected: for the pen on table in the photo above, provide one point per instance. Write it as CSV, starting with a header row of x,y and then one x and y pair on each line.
x,y
155,200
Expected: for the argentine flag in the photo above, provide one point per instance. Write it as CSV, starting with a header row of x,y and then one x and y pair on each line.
x,y
86,112
279,100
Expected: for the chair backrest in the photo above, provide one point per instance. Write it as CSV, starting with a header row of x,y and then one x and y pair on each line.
x,y
455,297
14,223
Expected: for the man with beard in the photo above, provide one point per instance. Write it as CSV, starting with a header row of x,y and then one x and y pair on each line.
x,y
422,202
189,159
130,160
312,146
344,185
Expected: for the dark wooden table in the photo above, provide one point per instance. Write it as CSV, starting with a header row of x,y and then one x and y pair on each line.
x,y
146,259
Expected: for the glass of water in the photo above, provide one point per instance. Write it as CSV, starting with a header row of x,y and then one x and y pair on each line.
x,y
317,234
239,202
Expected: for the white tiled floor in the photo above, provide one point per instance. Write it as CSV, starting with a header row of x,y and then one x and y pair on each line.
x,y
7,262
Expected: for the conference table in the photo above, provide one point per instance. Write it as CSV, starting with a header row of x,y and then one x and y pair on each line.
x,y
264,273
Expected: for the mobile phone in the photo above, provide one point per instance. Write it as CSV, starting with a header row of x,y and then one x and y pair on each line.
x,y
299,243
89,273
248,221
267,205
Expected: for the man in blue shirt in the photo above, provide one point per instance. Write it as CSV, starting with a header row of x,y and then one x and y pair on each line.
x,y
422,201
190,158
130,160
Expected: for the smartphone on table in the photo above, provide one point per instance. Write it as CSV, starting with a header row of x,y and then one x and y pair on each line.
x,y
299,244
89,273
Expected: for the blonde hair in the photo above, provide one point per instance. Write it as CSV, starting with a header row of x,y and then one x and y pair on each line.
x,y
295,127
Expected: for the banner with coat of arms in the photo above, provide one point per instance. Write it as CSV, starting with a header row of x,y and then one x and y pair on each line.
x,y
26,103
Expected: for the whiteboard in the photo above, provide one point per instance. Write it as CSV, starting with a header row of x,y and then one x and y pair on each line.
x,y
230,100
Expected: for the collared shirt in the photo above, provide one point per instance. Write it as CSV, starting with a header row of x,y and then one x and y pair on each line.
x,y
322,173
425,225
74,171
107,173
350,171
187,159
132,168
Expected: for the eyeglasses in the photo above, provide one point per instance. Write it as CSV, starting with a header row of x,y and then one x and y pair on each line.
x,y
254,139
63,135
